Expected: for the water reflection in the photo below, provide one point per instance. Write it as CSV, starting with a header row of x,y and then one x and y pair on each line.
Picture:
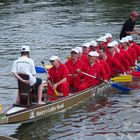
x,y
104,118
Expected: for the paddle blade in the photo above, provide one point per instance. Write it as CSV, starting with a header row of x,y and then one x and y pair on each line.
x,y
56,93
40,70
125,78
48,66
120,87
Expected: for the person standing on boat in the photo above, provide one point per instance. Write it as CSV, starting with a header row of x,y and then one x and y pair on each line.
x,y
57,77
25,65
129,26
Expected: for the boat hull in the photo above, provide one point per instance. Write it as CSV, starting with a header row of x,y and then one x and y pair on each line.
x,y
37,112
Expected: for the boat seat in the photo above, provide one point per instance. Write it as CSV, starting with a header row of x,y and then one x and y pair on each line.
x,y
24,91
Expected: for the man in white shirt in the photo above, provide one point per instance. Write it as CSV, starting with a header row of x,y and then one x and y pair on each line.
x,y
25,65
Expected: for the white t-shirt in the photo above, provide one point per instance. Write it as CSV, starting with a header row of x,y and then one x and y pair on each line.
x,y
25,65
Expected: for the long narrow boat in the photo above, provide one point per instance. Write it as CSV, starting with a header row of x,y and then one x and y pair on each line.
x,y
17,114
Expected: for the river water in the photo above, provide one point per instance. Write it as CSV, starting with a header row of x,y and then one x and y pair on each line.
x,y
54,27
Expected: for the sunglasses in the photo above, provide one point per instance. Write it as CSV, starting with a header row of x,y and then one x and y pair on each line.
x,y
73,52
51,61
109,47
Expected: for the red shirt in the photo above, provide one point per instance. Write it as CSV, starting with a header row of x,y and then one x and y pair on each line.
x,y
84,57
128,57
132,53
115,66
57,74
106,68
96,70
121,58
136,48
72,67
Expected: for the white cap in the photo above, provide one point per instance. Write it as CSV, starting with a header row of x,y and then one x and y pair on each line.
x,y
101,39
75,50
115,42
107,35
129,38
124,39
80,50
93,43
25,48
54,57
94,53
86,45
111,44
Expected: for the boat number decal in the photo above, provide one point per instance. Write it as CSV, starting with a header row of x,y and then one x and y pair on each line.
x,y
50,109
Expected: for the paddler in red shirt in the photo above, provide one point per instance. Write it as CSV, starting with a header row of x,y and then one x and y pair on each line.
x,y
134,45
57,77
108,38
93,68
127,52
73,64
101,41
93,46
85,48
114,65
118,56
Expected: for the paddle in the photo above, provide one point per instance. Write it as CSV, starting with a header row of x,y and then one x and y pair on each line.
x,y
135,73
40,70
124,78
115,85
55,91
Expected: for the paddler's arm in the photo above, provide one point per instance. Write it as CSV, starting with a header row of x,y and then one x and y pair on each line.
x,y
19,78
60,82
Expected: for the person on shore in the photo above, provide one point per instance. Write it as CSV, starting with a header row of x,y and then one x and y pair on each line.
x,y
57,77
25,65
129,26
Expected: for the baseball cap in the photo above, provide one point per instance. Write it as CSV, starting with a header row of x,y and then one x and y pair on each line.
x,y
115,42
75,50
111,44
134,14
123,40
86,45
107,35
101,39
25,48
54,57
93,53
79,49
129,38
93,43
